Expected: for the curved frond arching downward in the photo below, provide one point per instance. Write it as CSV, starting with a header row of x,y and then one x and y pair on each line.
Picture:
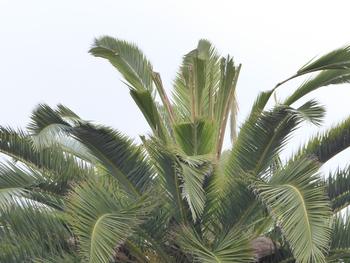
x,y
296,199
326,145
338,189
325,78
103,220
128,59
118,156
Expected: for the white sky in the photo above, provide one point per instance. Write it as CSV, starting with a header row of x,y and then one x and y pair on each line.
x,y
44,44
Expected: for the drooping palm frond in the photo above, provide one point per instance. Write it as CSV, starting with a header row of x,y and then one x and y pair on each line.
x,y
14,181
325,78
117,155
128,59
103,219
36,229
338,188
137,71
296,200
326,145
18,146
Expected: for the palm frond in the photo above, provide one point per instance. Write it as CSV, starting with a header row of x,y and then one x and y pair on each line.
x,y
296,200
166,163
338,188
336,59
118,156
326,145
150,111
312,111
127,59
33,230
340,244
103,220
196,138
193,187
14,181
231,247
325,78
198,77
18,145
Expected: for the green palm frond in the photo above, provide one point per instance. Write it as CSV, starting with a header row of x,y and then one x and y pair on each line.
x,y
14,181
127,59
64,258
312,111
32,230
166,164
340,245
150,111
193,188
137,71
232,246
196,138
326,145
18,146
336,59
296,200
103,220
197,82
325,78
338,188
123,160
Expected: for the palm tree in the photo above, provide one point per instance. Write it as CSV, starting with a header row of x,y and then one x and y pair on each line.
x,y
75,191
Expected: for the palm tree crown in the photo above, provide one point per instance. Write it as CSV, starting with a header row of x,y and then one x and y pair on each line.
x,y
74,191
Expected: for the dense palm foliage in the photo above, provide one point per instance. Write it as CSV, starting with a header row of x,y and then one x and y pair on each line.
x,y
74,191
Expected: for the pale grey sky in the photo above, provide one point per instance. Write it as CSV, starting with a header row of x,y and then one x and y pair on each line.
x,y
44,44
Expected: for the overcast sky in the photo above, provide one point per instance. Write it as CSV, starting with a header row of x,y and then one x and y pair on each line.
x,y
44,44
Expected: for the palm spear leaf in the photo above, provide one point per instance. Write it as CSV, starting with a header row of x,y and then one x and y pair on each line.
x,y
196,138
325,78
231,247
225,98
296,200
198,77
118,155
233,119
103,219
